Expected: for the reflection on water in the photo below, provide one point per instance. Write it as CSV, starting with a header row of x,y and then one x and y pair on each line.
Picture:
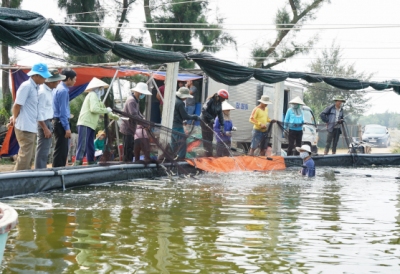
x,y
235,223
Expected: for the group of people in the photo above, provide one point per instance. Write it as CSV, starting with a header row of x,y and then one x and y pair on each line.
x,y
41,110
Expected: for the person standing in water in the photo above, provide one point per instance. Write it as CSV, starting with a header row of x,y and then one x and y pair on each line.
x,y
224,140
294,120
210,110
308,163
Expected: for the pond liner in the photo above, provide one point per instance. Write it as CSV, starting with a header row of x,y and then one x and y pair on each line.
x,y
35,181
347,160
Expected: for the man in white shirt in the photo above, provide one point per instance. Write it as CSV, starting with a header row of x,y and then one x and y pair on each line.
x,y
45,116
25,114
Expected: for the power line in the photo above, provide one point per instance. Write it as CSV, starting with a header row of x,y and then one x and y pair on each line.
x,y
103,10
247,24
227,29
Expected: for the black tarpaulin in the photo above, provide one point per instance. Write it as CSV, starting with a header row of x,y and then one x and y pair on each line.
x,y
348,84
222,71
270,76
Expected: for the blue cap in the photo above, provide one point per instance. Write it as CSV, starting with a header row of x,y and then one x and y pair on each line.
x,y
41,69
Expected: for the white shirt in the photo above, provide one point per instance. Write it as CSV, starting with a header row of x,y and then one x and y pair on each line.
x,y
27,98
45,103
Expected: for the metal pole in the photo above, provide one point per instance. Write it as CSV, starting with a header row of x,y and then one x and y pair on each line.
x,y
109,88
120,94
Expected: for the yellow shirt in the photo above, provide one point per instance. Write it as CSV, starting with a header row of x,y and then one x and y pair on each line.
x,y
259,117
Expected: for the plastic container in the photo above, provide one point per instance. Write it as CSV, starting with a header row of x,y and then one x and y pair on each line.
x,y
8,220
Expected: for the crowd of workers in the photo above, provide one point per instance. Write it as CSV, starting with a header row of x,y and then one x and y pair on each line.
x,y
41,111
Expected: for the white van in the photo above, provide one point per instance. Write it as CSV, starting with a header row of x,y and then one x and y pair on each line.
x,y
244,98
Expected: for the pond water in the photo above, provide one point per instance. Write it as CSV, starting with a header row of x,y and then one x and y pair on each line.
x,y
232,223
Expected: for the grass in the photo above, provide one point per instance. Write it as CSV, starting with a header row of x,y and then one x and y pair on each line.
x,y
6,161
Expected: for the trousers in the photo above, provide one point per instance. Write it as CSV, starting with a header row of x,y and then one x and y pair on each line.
x,y
207,135
332,137
26,141
223,149
178,143
43,146
61,147
128,148
295,136
85,144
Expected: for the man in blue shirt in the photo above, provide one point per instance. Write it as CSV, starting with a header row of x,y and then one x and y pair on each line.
x,y
62,130
25,115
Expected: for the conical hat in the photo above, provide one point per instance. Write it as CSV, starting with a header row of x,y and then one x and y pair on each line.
x,y
96,83
227,106
297,100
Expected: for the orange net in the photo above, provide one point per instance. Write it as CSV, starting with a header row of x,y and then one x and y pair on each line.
x,y
238,163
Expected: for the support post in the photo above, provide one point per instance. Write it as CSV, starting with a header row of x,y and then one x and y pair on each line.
x,y
169,101
120,93
278,115
109,88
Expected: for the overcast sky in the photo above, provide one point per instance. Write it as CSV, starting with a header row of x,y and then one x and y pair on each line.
x,y
371,49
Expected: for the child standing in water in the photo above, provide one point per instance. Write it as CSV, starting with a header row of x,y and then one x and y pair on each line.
x,y
224,139
308,163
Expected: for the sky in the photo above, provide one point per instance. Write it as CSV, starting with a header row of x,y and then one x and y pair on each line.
x,y
371,47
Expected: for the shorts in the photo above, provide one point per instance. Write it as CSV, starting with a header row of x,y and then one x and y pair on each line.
x,y
258,139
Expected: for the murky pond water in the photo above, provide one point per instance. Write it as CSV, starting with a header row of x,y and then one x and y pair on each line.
x,y
235,223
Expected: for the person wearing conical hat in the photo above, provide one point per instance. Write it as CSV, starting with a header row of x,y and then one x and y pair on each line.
x,y
224,139
128,126
294,120
89,115
333,117
260,119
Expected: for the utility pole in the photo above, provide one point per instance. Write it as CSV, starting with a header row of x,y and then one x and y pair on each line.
x,y
5,61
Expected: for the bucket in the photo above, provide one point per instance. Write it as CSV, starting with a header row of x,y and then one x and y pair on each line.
x,y
8,220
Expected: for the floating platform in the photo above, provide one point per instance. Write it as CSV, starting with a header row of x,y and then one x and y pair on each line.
x,y
34,181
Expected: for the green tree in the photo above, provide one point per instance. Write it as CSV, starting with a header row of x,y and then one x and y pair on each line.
x,y
7,100
284,46
85,11
172,13
320,95
387,119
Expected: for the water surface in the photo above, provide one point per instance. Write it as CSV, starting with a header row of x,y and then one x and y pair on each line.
x,y
233,223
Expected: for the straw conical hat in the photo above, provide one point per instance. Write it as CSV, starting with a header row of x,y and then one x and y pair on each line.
x,y
297,100
96,83
227,106
265,100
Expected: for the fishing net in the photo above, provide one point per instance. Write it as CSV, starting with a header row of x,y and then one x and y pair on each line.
x,y
158,144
